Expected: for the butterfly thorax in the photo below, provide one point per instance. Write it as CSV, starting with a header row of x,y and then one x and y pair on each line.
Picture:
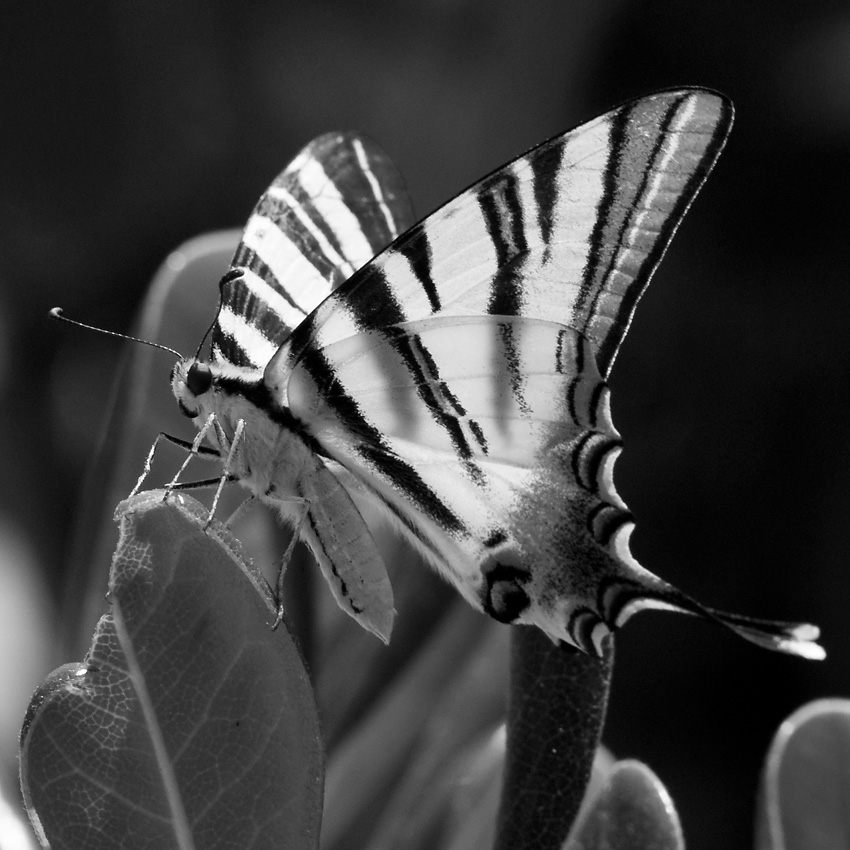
x,y
271,452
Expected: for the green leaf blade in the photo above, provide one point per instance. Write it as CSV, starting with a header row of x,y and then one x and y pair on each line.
x,y
804,796
631,811
191,723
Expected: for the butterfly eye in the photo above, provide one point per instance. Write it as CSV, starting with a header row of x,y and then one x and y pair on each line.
x,y
198,378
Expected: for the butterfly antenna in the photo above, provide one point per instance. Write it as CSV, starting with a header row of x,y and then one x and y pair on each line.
x,y
207,332
231,275
56,313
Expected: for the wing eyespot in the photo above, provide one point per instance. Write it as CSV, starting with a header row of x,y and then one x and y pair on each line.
x,y
504,596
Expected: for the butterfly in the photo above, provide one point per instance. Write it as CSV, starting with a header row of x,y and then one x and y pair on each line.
x,y
450,375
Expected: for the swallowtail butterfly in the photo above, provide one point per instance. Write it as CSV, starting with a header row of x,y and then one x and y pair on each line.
x,y
452,373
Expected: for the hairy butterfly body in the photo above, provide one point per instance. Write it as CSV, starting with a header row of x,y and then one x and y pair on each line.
x,y
453,376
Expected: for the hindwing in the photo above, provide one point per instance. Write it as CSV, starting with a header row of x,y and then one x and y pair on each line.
x,y
450,423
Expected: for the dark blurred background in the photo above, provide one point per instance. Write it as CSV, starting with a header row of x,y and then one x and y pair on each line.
x,y
131,127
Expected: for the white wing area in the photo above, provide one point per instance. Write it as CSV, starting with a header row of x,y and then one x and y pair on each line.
x,y
569,232
453,419
337,204
503,386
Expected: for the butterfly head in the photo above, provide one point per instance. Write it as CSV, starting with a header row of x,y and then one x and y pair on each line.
x,y
191,380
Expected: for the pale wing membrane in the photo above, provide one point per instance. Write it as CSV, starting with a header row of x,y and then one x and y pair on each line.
x,y
569,232
449,424
337,204
493,390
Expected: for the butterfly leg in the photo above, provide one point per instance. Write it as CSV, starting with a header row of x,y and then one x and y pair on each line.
x,y
226,474
195,448
203,451
302,506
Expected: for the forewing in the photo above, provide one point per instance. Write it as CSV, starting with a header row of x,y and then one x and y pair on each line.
x,y
337,204
571,231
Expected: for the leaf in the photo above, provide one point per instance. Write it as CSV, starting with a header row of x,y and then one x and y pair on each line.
x,y
632,811
805,785
556,709
191,723
179,307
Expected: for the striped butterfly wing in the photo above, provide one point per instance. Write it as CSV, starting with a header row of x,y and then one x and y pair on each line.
x,y
456,380
336,205
457,447
571,231
459,376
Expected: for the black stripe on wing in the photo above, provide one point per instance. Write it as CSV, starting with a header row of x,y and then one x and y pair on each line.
x,y
441,403
417,252
370,185
259,395
255,310
570,232
379,310
367,442
226,348
623,200
543,166
306,238
247,258
515,368
503,213
339,203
